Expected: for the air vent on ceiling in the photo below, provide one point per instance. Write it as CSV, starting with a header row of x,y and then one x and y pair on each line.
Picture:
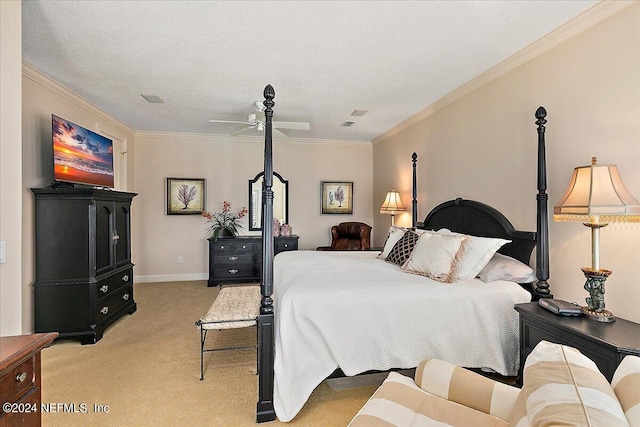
x,y
153,99
347,124
359,113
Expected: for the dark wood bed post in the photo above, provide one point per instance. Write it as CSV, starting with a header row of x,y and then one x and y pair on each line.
x,y
266,333
414,201
542,233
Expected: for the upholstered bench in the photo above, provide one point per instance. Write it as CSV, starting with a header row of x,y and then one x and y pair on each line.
x,y
234,307
561,387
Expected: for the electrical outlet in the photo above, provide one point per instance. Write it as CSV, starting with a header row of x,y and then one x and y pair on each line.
x,y
180,260
3,252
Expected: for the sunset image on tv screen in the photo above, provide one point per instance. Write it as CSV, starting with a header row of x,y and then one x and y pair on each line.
x,y
80,155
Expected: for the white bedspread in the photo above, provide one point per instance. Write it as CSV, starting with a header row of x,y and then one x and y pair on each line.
x,y
354,311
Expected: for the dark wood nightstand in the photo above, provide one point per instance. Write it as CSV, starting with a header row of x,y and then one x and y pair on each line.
x,y
604,343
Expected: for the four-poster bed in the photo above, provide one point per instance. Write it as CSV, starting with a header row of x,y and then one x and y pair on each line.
x,y
303,339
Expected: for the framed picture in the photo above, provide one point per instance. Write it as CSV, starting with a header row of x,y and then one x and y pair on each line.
x,y
337,197
185,196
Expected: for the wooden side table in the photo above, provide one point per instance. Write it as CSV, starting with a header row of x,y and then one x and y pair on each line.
x,y
604,343
20,378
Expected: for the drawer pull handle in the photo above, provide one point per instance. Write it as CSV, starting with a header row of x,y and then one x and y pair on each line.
x,y
125,277
244,247
104,288
221,247
125,297
21,377
233,271
105,310
286,246
233,258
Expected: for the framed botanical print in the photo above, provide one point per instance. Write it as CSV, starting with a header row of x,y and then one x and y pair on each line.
x,y
185,196
337,197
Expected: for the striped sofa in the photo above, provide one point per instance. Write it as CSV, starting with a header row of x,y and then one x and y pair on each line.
x,y
561,387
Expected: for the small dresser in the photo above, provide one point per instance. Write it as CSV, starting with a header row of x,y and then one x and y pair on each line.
x,y
239,259
20,378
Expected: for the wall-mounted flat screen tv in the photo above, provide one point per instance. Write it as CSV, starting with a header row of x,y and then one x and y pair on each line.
x,y
81,156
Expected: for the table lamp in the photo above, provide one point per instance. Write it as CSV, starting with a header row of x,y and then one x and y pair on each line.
x,y
392,204
596,197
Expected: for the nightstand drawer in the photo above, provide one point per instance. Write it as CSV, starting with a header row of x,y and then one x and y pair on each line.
x,y
286,245
18,381
26,413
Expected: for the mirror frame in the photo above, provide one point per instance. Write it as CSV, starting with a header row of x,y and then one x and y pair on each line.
x,y
285,182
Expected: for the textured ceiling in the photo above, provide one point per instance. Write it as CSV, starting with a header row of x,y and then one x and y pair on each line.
x,y
212,59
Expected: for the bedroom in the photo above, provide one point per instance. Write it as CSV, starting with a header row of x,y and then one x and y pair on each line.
x,y
589,85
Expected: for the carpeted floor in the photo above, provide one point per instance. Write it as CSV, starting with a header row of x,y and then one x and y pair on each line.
x,y
145,371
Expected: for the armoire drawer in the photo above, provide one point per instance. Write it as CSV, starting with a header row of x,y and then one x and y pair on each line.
x,y
111,304
111,284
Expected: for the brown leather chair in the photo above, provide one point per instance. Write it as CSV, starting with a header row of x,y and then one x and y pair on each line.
x,y
349,236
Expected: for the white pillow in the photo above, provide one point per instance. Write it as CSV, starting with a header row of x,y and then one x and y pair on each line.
x,y
436,256
477,253
395,234
502,267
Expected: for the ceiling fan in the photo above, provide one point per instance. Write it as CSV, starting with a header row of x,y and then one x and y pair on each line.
x,y
256,120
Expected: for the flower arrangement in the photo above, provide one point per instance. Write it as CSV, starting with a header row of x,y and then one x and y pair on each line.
x,y
225,223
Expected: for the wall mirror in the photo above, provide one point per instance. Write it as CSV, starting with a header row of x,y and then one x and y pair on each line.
x,y
280,189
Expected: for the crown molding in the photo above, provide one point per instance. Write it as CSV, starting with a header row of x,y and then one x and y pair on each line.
x,y
250,139
39,77
585,20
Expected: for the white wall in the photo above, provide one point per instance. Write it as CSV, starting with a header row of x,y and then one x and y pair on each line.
x,y
11,286
227,164
483,146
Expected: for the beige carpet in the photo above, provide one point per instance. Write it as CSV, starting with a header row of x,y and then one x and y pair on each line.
x,y
146,370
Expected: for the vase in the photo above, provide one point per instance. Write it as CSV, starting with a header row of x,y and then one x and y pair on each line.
x,y
276,227
285,230
225,233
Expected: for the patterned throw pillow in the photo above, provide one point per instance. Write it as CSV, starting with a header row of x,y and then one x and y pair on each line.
x,y
402,249
395,234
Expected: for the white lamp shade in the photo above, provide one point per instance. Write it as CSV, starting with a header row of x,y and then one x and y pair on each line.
x,y
596,195
392,203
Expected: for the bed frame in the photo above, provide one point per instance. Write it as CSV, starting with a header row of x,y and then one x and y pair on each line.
x,y
463,216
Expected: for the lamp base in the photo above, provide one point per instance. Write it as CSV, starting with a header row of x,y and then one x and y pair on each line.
x,y
604,316
595,302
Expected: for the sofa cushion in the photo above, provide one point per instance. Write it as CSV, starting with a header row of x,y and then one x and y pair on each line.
x,y
626,385
564,387
399,402
467,388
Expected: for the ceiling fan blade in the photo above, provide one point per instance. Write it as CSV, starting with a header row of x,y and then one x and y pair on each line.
x,y
292,125
242,130
277,133
229,121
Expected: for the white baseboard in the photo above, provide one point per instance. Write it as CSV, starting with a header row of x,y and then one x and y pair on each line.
x,y
170,277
